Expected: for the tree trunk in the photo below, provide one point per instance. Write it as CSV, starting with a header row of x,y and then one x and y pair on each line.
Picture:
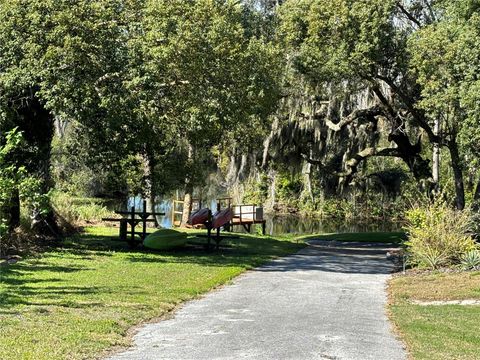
x,y
476,198
187,200
149,163
307,172
151,208
243,166
436,158
273,185
37,125
12,209
411,154
458,175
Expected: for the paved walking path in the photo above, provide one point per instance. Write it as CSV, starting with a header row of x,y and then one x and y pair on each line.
x,y
325,302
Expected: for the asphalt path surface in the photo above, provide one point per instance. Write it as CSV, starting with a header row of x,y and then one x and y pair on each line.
x,y
325,302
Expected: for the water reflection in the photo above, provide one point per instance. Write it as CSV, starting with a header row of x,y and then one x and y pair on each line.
x,y
276,224
291,224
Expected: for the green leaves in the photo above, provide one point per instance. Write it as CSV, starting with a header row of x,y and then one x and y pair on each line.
x,y
438,235
446,59
14,177
69,52
208,75
339,40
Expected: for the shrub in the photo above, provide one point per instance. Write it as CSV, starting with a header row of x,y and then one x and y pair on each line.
x,y
470,260
438,235
256,190
337,208
288,189
16,181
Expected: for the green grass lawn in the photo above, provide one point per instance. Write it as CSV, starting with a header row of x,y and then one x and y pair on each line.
x,y
373,237
78,301
437,332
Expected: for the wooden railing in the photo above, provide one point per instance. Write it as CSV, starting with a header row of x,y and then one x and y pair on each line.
x,y
247,212
177,210
245,215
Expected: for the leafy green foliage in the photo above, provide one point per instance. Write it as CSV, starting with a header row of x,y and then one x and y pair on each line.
x,y
150,87
341,39
336,208
14,177
59,60
471,260
215,80
438,235
78,211
138,79
288,188
68,55
445,56
256,191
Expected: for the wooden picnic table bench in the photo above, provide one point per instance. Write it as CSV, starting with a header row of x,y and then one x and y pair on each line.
x,y
134,218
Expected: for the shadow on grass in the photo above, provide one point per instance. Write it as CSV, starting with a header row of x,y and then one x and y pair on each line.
x,y
369,237
55,295
31,283
242,251
46,296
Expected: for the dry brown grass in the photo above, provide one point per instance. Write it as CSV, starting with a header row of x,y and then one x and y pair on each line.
x,y
437,286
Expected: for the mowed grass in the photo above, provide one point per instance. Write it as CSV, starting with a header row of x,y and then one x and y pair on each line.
x,y
371,237
78,301
437,332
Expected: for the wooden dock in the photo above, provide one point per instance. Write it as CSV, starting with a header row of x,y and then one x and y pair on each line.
x,y
248,215
245,215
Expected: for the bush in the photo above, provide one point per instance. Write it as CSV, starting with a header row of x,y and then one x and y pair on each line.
x,y
18,187
256,191
288,189
471,260
438,236
337,208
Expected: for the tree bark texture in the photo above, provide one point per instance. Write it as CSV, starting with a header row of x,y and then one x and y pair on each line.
x,y
37,125
188,197
149,163
12,209
476,197
436,157
458,175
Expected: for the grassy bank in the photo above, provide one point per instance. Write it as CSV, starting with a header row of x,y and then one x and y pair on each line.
x,y
437,331
78,301
371,237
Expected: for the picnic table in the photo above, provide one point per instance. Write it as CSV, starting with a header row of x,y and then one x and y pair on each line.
x,y
134,218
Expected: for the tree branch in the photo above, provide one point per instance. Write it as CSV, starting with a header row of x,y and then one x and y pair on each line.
x,y
312,161
352,164
418,116
408,14
356,114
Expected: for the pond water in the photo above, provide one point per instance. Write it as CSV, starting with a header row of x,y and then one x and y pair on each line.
x,y
275,224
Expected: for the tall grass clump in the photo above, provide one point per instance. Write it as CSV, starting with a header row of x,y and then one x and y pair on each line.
x,y
77,211
438,236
